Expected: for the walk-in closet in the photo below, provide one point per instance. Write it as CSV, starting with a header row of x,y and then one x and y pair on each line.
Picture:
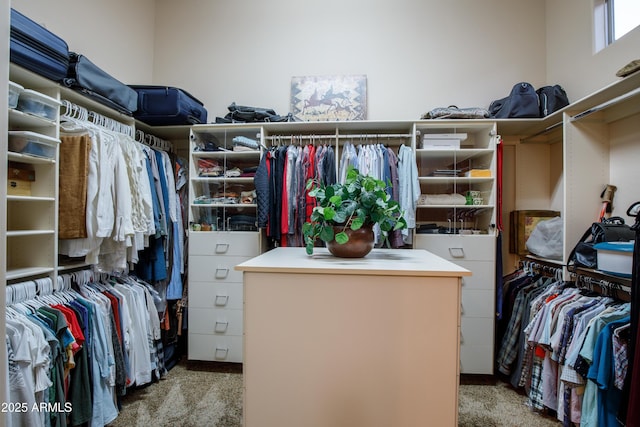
x,y
137,251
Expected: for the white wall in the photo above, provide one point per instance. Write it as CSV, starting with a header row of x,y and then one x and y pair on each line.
x,y
571,57
117,35
417,54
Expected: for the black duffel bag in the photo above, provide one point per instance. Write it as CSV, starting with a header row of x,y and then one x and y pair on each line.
x,y
551,98
609,230
248,114
522,102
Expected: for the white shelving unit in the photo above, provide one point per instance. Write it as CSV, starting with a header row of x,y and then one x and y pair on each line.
x,y
213,253
32,219
567,160
217,243
465,232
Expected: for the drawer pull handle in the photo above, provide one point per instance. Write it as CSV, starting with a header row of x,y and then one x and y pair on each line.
x,y
221,273
222,300
221,352
222,248
221,326
457,252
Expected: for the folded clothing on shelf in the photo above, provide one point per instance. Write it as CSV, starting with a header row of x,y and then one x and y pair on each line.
x,y
442,199
209,167
248,197
233,172
242,141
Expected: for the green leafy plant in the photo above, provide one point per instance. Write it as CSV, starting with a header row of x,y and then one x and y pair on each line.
x,y
361,200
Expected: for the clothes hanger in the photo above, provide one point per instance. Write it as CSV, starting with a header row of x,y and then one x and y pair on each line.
x,y
46,292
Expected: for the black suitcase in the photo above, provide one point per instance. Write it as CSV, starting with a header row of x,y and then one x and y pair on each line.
x,y
37,49
167,106
92,81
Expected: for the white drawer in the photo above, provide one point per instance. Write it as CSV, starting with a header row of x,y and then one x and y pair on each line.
x,y
457,248
215,295
477,303
215,321
476,331
215,348
245,243
476,359
483,275
215,268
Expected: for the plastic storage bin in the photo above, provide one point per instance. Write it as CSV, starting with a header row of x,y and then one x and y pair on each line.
x,y
14,93
615,257
37,104
33,144
443,141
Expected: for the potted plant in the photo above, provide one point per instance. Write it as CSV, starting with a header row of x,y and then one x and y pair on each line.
x,y
353,207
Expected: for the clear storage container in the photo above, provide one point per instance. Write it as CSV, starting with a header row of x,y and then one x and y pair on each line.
x,y
33,144
615,257
38,104
14,93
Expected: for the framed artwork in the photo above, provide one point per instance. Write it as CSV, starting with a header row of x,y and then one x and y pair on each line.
x,y
329,98
522,224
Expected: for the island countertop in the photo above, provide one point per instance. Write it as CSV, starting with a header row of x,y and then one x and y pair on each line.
x,y
344,342
383,262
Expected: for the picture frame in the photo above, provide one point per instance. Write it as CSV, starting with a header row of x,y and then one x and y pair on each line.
x,y
329,98
522,223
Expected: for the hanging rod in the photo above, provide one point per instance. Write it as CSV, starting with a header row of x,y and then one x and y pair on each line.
x,y
345,136
542,132
377,136
604,287
153,141
73,111
606,104
545,267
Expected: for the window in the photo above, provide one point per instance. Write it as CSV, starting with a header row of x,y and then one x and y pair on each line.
x,y
624,16
614,19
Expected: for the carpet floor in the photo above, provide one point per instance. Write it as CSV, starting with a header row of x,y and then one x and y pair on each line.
x,y
195,394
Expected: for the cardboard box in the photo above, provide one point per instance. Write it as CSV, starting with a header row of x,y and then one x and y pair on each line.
x,y
521,225
18,187
20,171
478,173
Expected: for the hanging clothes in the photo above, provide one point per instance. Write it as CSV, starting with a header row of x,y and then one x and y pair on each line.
x,y
72,185
558,345
409,192
132,217
81,349
630,399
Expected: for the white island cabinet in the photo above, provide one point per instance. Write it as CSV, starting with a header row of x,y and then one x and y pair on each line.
x,y
338,342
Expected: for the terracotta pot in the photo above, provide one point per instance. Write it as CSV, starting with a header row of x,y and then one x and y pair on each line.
x,y
359,245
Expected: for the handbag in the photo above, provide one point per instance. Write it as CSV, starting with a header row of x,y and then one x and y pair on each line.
x,y
609,230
